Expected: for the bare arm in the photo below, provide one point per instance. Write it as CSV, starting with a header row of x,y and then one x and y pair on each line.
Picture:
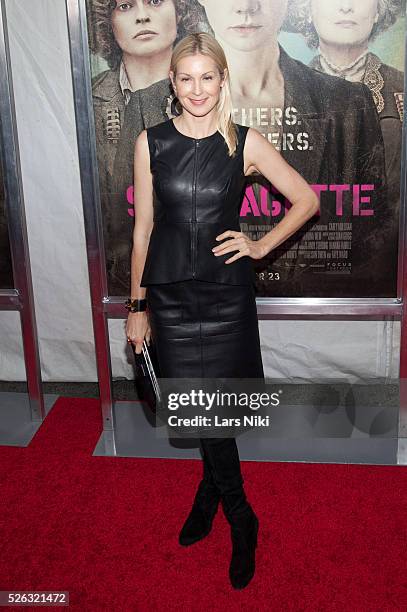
x,y
137,326
143,225
260,156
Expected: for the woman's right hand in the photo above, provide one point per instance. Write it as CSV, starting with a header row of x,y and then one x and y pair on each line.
x,y
138,329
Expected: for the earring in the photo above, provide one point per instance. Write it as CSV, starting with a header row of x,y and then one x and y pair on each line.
x,y
376,19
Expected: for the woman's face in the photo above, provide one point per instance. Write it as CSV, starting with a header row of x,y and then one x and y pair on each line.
x,y
197,84
132,17
344,22
245,24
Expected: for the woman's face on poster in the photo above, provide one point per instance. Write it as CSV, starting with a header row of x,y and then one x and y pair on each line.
x,y
132,17
344,22
245,24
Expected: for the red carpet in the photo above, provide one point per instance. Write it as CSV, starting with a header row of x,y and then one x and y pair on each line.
x,y
332,537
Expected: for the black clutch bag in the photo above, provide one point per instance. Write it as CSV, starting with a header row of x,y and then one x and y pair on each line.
x,y
147,372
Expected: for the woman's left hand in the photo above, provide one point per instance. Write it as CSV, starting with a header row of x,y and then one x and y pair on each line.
x,y
241,243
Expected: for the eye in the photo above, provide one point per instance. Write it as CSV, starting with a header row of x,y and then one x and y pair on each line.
x,y
185,79
155,2
208,78
124,6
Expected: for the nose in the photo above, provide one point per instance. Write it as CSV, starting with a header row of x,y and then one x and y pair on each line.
x,y
247,6
346,6
197,87
141,13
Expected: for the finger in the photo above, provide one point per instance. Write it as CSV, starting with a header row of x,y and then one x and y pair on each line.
x,y
235,242
219,246
237,256
138,347
227,234
229,250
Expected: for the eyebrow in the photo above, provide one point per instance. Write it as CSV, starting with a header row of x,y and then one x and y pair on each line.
x,y
209,71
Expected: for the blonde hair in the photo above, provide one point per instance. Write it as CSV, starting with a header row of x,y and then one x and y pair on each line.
x,y
205,44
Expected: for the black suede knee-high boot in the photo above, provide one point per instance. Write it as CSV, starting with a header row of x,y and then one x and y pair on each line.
x,y
207,469
224,459
199,521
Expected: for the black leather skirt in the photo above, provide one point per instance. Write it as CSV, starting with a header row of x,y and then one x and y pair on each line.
x,y
205,330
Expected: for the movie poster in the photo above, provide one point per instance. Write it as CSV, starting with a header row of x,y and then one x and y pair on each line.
x,y
324,82
6,269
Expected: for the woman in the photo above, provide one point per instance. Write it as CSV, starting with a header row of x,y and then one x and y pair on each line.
x,y
329,131
132,94
192,265
341,31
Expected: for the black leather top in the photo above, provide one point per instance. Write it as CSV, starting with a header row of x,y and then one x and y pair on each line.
x,y
198,192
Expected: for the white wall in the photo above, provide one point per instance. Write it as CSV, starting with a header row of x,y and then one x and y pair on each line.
x,y
292,350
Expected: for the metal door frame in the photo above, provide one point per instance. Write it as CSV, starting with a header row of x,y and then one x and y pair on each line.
x,y
21,297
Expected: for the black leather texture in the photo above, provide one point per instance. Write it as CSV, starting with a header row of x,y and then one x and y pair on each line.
x,y
198,192
205,330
